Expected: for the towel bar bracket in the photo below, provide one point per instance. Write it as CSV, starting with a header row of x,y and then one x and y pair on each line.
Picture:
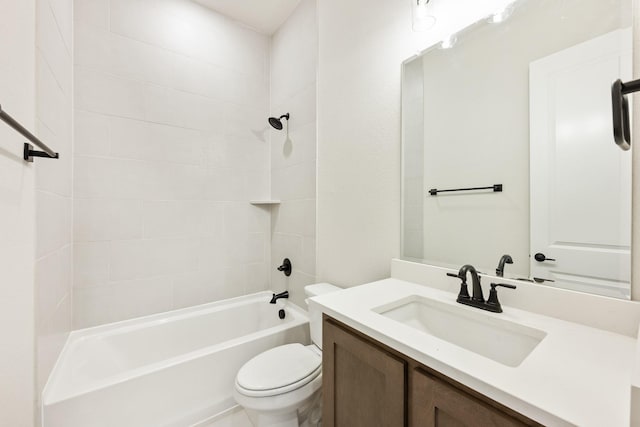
x,y
28,153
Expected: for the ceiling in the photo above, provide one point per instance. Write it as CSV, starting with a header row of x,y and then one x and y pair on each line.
x,y
265,16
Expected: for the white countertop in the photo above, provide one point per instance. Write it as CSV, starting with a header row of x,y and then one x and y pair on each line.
x,y
577,375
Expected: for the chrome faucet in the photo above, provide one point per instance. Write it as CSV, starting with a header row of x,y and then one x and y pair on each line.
x,y
276,297
477,300
505,259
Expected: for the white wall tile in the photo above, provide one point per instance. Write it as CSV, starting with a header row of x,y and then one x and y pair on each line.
x,y
196,288
91,12
307,258
92,49
234,282
293,151
53,278
91,135
93,306
55,177
298,146
91,263
256,248
179,145
111,178
104,93
225,185
173,218
53,106
295,182
303,103
53,238
137,298
258,184
296,39
138,61
131,139
286,246
55,51
52,335
63,12
134,259
213,220
53,222
258,277
171,108
296,216
180,181
107,219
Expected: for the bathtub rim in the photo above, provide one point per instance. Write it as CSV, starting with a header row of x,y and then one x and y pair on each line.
x,y
123,326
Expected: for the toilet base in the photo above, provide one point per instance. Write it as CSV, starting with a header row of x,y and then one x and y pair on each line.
x,y
289,419
308,416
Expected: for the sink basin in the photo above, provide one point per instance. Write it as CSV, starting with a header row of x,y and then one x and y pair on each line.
x,y
498,339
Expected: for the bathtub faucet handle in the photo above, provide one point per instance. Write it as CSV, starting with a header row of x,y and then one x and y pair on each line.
x,y
276,297
285,267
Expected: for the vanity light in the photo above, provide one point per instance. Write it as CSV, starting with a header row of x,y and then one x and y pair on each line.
x,y
502,15
448,41
422,20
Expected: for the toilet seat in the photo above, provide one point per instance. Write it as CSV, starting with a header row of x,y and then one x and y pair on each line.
x,y
279,370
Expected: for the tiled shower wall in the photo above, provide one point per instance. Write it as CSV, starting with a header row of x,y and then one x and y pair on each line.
x,y
54,116
171,102
294,54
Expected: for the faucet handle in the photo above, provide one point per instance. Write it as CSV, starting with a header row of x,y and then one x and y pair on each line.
x,y
464,291
493,296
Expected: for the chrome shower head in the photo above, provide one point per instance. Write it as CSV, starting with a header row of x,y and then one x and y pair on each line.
x,y
277,123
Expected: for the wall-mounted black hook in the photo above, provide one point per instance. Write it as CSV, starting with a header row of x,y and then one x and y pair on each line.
x,y
620,104
285,267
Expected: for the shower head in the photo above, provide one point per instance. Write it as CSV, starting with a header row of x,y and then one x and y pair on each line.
x,y
277,123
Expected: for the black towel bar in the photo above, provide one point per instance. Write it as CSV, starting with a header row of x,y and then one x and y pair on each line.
x,y
28,153
497,188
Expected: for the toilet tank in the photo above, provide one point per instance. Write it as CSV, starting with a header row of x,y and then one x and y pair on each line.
x,y
315,315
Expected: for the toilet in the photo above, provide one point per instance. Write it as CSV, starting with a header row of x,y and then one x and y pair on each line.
x,y
281,387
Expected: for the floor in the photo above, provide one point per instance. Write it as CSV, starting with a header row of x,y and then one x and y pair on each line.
x,y
234,417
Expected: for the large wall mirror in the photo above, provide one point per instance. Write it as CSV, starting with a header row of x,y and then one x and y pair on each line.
x,y
524,103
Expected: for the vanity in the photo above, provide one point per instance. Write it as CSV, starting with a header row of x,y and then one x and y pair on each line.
x,y
401,351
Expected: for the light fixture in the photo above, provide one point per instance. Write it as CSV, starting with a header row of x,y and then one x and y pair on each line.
x,y
422,19
448,41
502,14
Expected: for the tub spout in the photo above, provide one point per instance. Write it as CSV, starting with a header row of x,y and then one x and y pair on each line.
x,y
276,297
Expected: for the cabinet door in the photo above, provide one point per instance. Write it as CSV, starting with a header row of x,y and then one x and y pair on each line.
x,y
363,386
435,403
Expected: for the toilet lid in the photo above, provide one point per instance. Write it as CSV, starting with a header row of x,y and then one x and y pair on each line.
x,y
278,368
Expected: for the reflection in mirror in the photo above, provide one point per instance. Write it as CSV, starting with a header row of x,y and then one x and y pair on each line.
x,y
524,103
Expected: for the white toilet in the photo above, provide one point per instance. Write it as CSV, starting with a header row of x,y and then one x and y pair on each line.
x,y
281,387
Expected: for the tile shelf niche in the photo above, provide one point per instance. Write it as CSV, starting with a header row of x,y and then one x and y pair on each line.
x,y
264,202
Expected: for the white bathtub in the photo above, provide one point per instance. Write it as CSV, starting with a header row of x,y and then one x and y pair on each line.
x,y
169,369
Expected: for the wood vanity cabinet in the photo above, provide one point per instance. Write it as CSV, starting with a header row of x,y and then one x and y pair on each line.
x,y
367,384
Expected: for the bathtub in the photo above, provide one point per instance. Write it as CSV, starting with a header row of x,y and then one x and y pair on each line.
x,y
170,369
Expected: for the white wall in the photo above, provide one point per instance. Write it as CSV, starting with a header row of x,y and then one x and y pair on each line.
x,y
54,114
294,50
359,84
17,216
171,144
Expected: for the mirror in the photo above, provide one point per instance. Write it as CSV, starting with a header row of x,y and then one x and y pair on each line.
x,y
526,104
